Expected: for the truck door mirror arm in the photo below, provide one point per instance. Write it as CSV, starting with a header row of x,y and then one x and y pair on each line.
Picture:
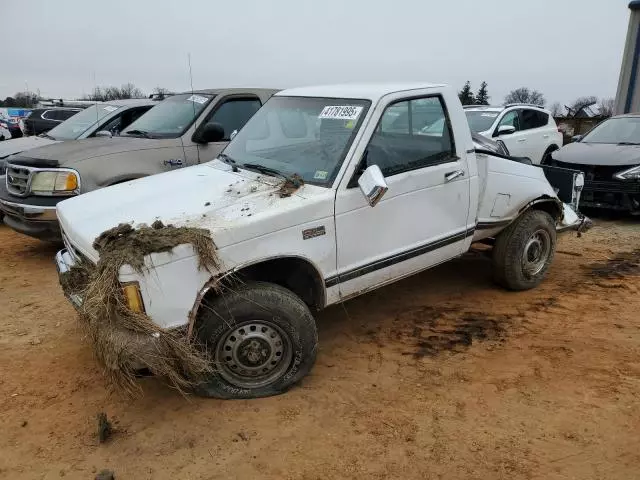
x,y
360,168
372,184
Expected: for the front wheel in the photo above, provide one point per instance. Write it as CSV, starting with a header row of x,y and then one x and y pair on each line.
x,y
262,339
524,251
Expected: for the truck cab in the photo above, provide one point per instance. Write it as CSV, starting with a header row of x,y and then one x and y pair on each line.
x,y
328,192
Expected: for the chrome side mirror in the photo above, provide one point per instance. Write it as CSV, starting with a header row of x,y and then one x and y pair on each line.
x,y
233,134
104,133
372,184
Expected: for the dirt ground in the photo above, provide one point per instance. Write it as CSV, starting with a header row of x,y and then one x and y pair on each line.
x,y
442,375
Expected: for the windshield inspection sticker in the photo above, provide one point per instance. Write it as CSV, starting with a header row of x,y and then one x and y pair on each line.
x,y
338,112
197,99
320,175
110,108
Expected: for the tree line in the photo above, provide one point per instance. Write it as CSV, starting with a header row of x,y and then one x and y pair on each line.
x,y
98,94
603,107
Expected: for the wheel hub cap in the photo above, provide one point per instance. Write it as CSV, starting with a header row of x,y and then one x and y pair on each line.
x,y
536,253
253,354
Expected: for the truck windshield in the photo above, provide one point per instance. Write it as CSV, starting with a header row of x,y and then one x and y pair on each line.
x,y
480,120
625,130
300,135
73,127
170,118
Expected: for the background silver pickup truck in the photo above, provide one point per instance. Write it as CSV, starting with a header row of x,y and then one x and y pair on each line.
x,y
183,130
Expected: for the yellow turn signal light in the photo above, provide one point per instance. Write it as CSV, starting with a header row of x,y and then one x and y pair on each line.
x,y
133,296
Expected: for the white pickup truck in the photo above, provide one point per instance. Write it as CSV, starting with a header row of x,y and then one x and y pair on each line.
x,y
374,195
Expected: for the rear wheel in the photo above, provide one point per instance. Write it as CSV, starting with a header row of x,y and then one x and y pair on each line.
x,y
524,251
262,339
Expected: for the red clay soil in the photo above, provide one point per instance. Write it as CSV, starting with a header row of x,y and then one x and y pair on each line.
x,y
443,375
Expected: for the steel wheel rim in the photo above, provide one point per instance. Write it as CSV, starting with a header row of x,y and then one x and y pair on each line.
x,y
536,253
253,354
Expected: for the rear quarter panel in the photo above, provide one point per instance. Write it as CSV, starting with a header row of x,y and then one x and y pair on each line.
x,y
508,187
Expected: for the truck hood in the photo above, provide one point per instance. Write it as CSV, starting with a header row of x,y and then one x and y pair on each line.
x,y
74,151
233,206
17,145
598,154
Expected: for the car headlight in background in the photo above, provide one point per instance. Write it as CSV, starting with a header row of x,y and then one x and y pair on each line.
x,y
630,174
55,183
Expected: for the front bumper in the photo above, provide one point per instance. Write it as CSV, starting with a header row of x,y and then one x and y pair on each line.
x,y
34,221
118,346
64,262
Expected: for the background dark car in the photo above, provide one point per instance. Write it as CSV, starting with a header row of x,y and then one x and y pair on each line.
x,y
609,156
12,124
42,120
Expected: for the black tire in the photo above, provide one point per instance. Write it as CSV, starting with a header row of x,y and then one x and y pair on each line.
x,y
511,268
546,158
242,328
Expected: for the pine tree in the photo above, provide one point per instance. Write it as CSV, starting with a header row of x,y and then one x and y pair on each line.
x,y
482,97
466,95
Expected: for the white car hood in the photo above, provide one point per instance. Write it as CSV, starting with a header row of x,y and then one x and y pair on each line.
x,y
17,145
234,206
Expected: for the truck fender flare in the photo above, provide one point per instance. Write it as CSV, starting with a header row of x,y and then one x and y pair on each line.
x,y
546,200
217,279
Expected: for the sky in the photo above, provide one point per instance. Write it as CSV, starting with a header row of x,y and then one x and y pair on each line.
x,y
563,48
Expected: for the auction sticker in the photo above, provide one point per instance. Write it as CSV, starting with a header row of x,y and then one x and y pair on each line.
x,y
490,115
110,108
321,175
197,99
340,112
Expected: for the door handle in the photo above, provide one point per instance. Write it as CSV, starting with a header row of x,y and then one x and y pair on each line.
x,y
521,140
546,136
453,175
174,162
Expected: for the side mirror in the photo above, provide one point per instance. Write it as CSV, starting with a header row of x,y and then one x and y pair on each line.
x,y
506,130
372,184
212,132
233,134
577,138
104,133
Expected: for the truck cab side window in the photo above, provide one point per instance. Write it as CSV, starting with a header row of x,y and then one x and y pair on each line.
x,y
412,134
234,113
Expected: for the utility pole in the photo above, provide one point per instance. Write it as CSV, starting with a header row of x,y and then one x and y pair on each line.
x,y
628,95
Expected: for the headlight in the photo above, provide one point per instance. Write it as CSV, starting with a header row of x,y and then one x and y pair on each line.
x,y
55,183
630,174
133,296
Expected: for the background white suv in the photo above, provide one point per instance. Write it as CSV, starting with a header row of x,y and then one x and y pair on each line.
x,y
526,130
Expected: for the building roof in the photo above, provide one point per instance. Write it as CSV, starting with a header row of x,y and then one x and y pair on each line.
x,y
366,91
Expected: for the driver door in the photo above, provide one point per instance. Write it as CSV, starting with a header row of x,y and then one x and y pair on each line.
x,y
421,221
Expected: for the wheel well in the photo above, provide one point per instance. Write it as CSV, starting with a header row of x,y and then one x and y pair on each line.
x,y
552,148
293,273
548,205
